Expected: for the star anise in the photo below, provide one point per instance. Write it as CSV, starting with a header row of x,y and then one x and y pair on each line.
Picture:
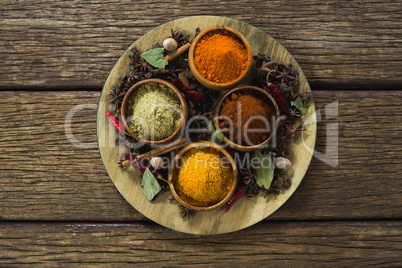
x,y
283,182
290,133
294,72
260,58
143,66
205,107
287,91
116,95
135,54
295,113
252,189
305,97
134,57
199,124
276,73
173,72
273,189
282,76
134,75
186,212
180,37
247,175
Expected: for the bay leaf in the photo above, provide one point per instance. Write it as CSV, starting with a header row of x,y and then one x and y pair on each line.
x,y
155,57
211,127
150,185
299,105
263,169
217,136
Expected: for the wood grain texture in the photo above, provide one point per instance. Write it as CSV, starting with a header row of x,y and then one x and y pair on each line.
x,y
72,44
299,244
214,221
45,177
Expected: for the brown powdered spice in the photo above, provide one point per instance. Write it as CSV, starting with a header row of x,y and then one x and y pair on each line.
x,y
247,113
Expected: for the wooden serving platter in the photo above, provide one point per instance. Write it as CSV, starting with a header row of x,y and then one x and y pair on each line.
x,y
243,213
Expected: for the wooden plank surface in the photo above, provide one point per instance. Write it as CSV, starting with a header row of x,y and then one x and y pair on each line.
x,y
73,44
45,177
283,244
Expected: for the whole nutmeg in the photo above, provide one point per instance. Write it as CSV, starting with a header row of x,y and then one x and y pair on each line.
x,y
157,162
283,163
169,44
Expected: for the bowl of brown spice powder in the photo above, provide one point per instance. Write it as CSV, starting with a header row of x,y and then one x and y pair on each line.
x,y
220,58
248,118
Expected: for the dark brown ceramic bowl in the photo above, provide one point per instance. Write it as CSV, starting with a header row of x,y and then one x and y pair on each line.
x,y
269,100
182,124
173,168
207,83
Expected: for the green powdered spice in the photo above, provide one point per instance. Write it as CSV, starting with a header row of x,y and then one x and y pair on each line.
x,y
156,111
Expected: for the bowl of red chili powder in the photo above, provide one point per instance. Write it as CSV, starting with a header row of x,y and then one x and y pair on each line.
x,y
220,58
248,117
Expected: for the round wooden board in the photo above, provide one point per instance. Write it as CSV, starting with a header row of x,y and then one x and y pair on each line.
x,y
245,212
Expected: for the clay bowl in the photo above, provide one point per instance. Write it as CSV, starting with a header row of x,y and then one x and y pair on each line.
x,y
268,99
174,165
207,83
182,124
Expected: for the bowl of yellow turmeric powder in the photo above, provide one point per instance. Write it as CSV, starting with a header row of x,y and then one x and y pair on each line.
x,y
220,58
203,176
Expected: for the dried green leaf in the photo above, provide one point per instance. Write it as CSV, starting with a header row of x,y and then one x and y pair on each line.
x,y
217,136
150,185
299,105
263,169
211,127
155,57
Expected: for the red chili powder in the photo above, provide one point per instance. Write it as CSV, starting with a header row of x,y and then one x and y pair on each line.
x,y
220,56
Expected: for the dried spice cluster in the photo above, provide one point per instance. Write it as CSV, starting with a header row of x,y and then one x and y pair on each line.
x,y
280,80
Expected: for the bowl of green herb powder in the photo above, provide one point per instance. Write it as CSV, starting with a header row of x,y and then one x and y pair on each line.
x,y
154,111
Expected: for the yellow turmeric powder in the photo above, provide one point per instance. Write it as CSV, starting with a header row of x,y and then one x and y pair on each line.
x,y
205,177
220,56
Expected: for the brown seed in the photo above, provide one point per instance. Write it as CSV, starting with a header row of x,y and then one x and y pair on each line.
x,y
125,164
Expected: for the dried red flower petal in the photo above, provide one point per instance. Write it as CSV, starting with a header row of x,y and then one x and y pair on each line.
x,y
280,100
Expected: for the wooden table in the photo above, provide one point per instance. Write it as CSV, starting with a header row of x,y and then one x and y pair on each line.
x,y
59,207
